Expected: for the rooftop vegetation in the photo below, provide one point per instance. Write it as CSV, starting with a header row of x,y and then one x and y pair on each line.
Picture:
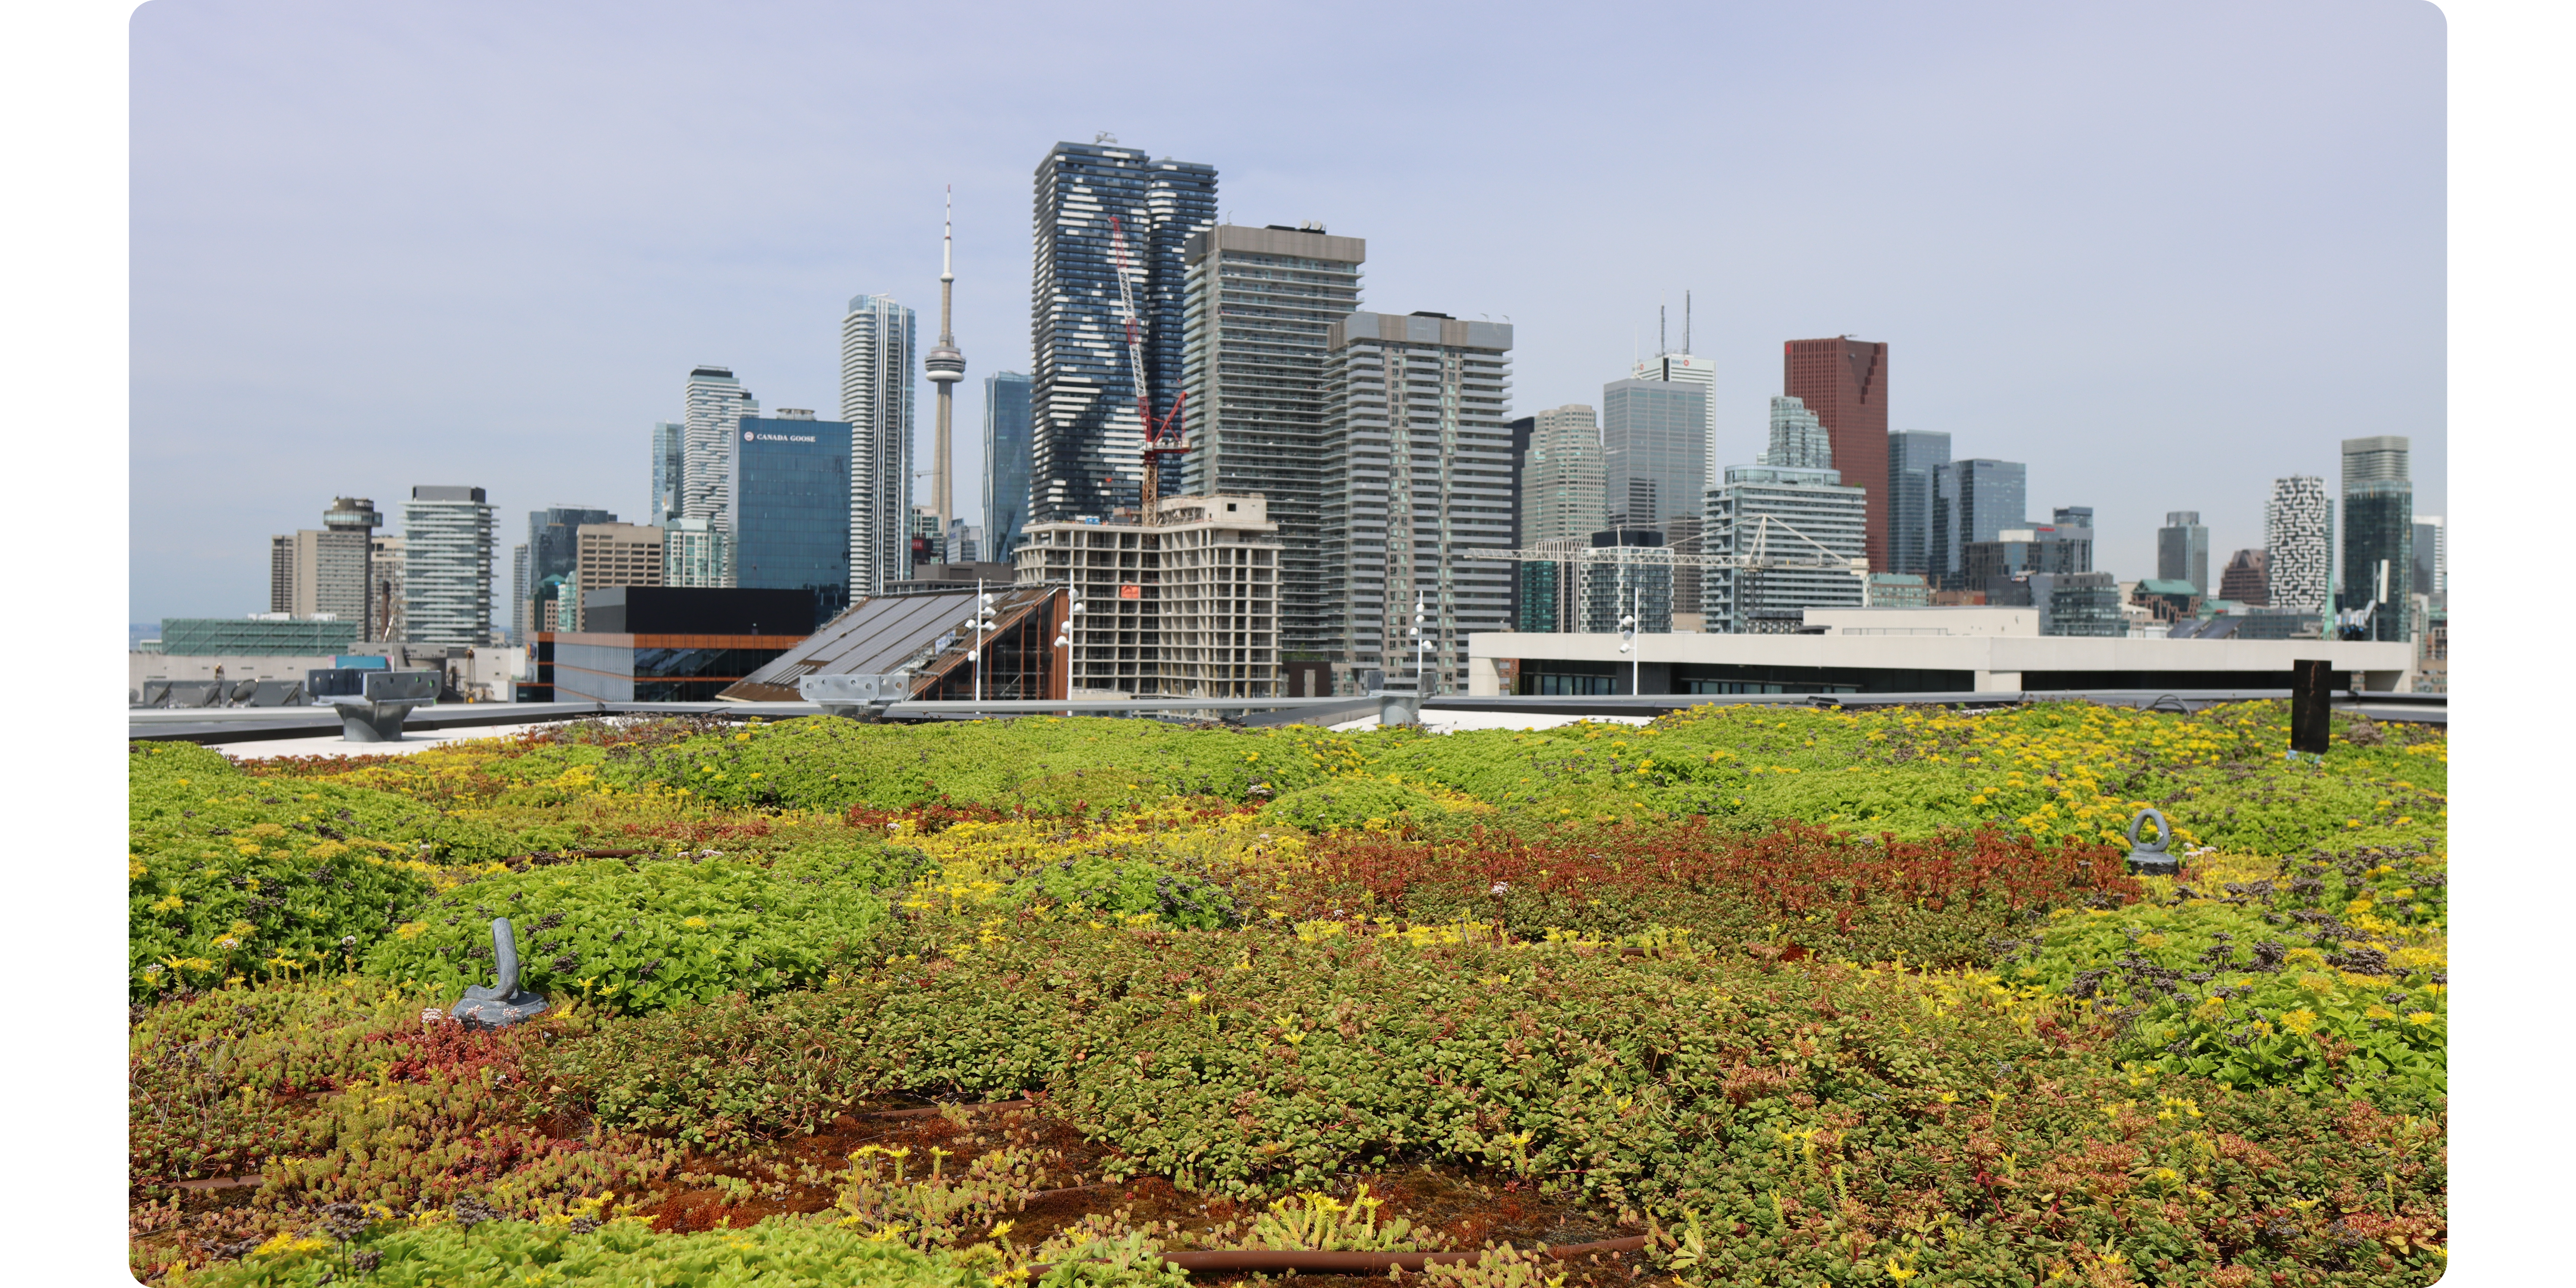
x,y
1792,996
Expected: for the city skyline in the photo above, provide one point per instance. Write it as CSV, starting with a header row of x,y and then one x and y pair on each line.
x,y
2172,414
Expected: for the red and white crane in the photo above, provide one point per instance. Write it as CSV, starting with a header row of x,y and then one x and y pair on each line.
x,y
1166,435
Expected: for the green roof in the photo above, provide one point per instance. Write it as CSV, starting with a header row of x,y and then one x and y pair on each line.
x,y
2159,586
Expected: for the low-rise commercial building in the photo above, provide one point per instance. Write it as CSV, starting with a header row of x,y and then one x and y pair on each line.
x,y
668,643
259,634
2171,600
1856,662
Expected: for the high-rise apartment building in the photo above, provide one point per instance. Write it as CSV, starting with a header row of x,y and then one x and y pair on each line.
x,y
695,552
323,573
1973,500
1085,444
1844,382
2182,550
716,404
790,476
877,364
2298,544
447,566
2432,560
1417,464
1795,485
1654,449
606,554
1006,460
670,467
2378,532
2246,580
519,592
1252,362
1912,457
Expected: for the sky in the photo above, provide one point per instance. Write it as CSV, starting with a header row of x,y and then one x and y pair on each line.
x,y
2163,253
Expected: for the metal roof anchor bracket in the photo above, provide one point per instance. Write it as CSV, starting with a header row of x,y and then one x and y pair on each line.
x,y
2150,859
372,704
864,698
504,1004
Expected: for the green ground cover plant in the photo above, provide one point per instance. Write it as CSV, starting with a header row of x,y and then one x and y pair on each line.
x,y
1808,995
772,1254
2329,976
633,935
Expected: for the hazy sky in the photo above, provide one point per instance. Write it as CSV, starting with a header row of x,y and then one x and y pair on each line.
x,y
2164,253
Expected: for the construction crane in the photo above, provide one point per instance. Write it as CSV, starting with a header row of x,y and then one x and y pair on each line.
x,y
1756,558
1166,435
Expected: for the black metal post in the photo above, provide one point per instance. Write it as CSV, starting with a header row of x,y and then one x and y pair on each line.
x,y
2311,693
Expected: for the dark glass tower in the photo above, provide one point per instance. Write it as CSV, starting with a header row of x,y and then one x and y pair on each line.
x,y
1085,440
789,481
1912,456
1006,462
1973,500
2378,527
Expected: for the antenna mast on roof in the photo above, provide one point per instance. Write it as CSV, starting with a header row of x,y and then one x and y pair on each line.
x,y
1686,323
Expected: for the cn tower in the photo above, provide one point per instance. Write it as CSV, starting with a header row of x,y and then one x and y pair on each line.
x,y
947,366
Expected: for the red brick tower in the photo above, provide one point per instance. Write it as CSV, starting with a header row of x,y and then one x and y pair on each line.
x,y
1844,382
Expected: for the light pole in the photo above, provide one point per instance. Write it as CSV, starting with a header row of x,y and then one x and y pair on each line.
x,y
1064,638
982,621
1628,645
1421,647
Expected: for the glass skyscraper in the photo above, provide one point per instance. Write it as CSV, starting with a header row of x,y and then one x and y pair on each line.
x,y
2378,529
1912,456
1973,500
2182,550
1085,441
790,501
1006,462
1654,450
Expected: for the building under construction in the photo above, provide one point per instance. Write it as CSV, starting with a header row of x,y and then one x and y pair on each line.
x,y
1187,606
